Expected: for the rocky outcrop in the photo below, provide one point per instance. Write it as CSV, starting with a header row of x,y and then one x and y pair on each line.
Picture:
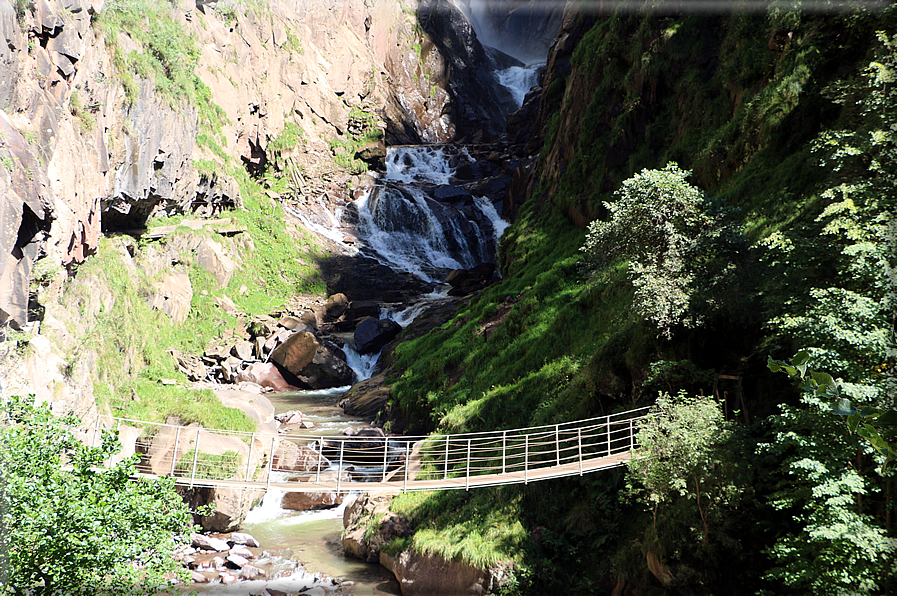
x,y
368,398
478,103
362,542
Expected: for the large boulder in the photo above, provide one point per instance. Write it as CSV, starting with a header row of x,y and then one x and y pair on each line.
x,y
466,281
372,334
432,575
266,375
366,398
290,457
314,365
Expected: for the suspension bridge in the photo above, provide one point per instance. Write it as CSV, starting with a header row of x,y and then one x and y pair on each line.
x,y
369,462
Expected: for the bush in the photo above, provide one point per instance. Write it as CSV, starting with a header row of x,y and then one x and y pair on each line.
x,y
79,530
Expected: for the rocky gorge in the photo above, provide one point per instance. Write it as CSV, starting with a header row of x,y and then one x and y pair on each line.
x,y
134,152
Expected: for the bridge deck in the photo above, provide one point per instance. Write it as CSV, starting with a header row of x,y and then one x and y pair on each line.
x,y
401,485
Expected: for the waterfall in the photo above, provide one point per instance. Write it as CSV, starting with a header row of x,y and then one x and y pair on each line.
x,y
418,164
519,80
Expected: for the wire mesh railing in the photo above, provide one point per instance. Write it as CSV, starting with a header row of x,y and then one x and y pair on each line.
x,y
197,456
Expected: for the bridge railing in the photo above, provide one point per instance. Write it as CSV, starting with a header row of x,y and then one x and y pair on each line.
x,y
201,456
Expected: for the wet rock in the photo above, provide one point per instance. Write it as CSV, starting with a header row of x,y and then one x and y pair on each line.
x,y
310,501
235,561
372,334
251,572
366,398
204,542
313,364
198,578
243,538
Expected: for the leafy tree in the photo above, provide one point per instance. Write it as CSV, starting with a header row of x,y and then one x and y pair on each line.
x,y
656,222
68,527
828,545
688,474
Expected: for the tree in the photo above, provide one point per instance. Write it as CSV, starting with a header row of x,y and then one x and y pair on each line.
x,y
657,222
69,527
686,471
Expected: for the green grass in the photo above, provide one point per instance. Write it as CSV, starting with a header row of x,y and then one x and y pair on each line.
x,y
481,528
209,466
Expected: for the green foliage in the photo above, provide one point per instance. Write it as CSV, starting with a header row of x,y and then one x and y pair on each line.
x,y
657,223
209,465
364,123
685,454
824,542
481,528
132,343
79,530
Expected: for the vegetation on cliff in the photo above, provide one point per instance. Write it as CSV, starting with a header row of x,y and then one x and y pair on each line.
x,y
787,122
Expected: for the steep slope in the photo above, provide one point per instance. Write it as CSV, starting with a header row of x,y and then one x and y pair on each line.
x,y
769,111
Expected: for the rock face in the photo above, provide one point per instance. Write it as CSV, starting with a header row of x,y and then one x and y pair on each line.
x,y
366,398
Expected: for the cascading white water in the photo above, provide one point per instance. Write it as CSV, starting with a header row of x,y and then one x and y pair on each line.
x,y
409,231
418,164
519,80
361,364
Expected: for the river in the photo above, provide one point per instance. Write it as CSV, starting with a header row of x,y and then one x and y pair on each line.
x,y
405,224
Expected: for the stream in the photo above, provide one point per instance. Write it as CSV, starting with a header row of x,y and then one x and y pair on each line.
x,y
416,219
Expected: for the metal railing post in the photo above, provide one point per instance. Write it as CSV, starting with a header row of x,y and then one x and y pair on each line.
x,y
174,456
195,457
525,459
608,435
579,442
96,429
339,467
270,464
467,476
385,452
504,449
407,463
447,437
557,440
631,436
249,463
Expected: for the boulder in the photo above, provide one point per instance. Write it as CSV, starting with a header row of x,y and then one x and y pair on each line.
x,y
210,255
204,542
173,296
243,538
311,501
372,334
313,364
251,572
431,575
334,307
290,457
266,375
466,281
242,551
367,398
